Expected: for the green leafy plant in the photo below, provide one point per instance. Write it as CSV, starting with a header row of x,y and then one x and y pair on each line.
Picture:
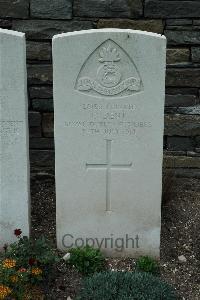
x,y
32,252
147,264
87,260
24,264
125,286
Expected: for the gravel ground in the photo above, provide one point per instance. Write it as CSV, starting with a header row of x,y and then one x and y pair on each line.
x,y
180,240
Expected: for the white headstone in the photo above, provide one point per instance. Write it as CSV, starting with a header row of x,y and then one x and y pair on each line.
x,y
14,169
109,107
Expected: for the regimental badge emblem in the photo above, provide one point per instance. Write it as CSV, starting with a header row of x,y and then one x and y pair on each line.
x,y
109,71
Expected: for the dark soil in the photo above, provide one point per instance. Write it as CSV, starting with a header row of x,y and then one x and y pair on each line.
x,y
180,236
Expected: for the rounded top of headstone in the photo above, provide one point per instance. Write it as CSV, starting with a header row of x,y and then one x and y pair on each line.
x,y
110,30
11,33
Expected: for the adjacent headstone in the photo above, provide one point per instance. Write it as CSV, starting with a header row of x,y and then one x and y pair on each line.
x,y
109,107
14,169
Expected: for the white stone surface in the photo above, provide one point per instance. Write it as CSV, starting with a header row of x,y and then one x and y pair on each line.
x,y
109,107
14,168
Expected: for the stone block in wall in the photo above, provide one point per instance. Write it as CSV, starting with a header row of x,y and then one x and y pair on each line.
x,y
51,9
181,27
42,158
6,23
190,110
43,105
171,9
40,74
35,131
170,110
182,125
182,91
181,162
34,118
185,77
182,37
14,9
41,143
47,124
187,173
178,55
195,54
179,143
193,153
46,29
174,153
178,22
146,25
38,51
197,141
108,9
41,92
34,124
180,100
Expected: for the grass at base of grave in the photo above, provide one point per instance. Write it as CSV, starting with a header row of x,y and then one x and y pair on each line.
x,y
180,236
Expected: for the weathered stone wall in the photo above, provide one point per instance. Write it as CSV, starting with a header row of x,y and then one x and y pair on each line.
x,y
178,20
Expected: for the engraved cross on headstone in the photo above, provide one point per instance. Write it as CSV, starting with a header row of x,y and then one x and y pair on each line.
x,y
108,166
